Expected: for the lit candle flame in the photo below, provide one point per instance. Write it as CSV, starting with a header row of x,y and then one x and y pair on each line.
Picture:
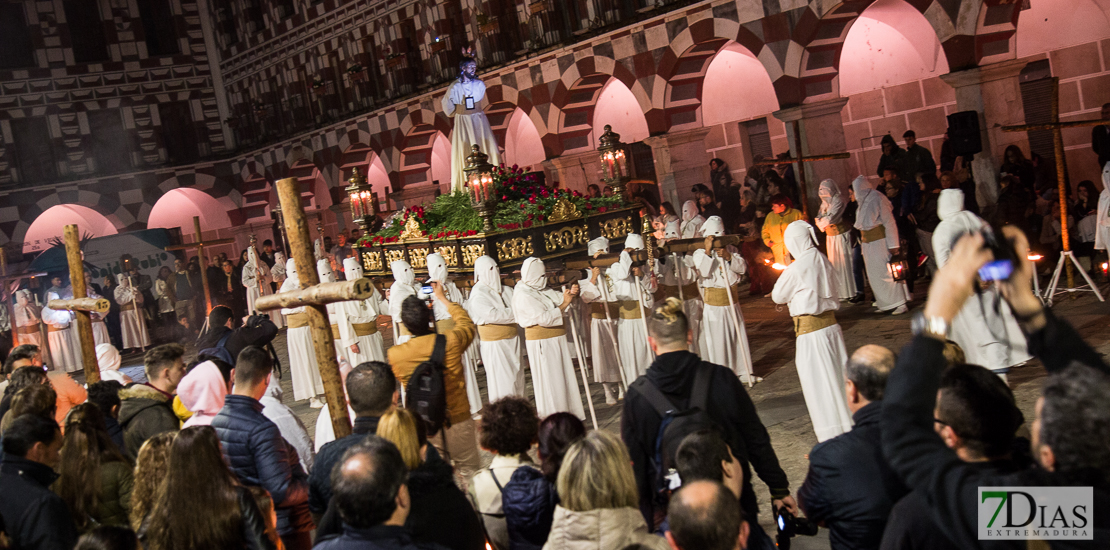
x,y
778,266
1034,257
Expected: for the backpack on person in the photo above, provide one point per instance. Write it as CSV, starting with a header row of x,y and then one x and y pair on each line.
x,y
676,424
426,392
219,351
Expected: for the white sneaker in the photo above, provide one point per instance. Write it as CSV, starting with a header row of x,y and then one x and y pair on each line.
x,y
899,310
315,403
609,399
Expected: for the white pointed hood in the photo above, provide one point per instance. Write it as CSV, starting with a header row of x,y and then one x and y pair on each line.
x,y
437,268
832,201
352,270
954,222
533,274
809,262
486,273
634,241
402,272
862,186
318,249
292,281
123,281
252,257
671,231
713,226
600,244
323,269
689,210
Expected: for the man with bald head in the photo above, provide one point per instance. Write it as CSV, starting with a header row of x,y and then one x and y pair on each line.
x,y
705,515
850,487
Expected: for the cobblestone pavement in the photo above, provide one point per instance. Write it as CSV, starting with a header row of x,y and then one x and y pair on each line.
x,y
778,398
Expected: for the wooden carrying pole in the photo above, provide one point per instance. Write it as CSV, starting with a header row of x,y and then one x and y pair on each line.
x,y
82,320
95,305
323,293
301,249
690,245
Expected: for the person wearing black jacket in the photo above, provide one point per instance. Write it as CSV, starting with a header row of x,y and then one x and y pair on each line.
x,y
728,404
34,517
259,331
850,487
1072,425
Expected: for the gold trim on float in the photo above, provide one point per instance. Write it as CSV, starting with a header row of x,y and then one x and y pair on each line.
x,y
517,247
471,253
566,237
564,210
412,229
418,257
616,227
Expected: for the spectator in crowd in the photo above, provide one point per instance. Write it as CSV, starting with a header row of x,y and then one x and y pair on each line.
x,y
69,392
20,378
1013,200
893,157
24,355
256,452
530,497
105,394
1015,164
509,429
108,537
782,214
95,480
704,515
1072,424
229,287
441,513
728,405
457,441
372,496
593,191
34,517
371,392
201,504
184,281
167,316
918,159
598,497
258,330
925,218
849,486
964,182
108,361
39,400
707,204
150,470
1100,138
977,417
267,254
203,391
146,409
290,426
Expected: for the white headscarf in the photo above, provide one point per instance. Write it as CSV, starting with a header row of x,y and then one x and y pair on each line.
x,y
323,268
402,272
801,242
713,226
954,222
107,357
486,273
671,231
437,268
533,274
832,203
862,187
352,270
600,244
634,241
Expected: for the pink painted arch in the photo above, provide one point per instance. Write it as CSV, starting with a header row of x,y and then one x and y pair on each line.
x,y
52,222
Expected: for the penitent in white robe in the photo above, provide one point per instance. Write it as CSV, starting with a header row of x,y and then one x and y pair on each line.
x,y
27,324
256,280
603,331
66,355
839,246
722,341
549,359
401,288
809,285
631,336
302,355
99,327
133,328
875,210
371,347
471,127
501,358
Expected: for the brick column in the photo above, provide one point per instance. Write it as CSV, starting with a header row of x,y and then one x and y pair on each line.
x,y
822,132
681,161
992,90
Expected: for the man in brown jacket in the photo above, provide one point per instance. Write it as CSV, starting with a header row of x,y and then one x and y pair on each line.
x,y
457,440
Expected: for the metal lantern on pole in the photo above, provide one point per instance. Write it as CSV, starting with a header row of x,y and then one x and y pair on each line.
x,y
364,203
479,181
614,163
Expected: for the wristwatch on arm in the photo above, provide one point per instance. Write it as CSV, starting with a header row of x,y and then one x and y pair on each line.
x,y
933,327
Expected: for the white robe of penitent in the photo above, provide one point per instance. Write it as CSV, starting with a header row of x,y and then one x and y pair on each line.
x,y
691,220
631,336
603,331
27,324
99,327
133,328
471,126
809,286
874,210
371,347
553,379
677,271
256,279
66,355
490,305
723,341
277,274
302,355
403,286
1102,220
839,246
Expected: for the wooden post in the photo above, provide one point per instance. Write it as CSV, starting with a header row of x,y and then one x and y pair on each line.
x,y
83,322
800,169
301,250
1061,177
203,268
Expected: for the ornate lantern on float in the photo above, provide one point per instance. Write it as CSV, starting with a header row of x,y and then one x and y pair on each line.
x,y
614,163
364,202
479,182
898,267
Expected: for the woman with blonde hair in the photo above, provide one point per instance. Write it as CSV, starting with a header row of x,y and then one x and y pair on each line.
x,y
150,470
599,501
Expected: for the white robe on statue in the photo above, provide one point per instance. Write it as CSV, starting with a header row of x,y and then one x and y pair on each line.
x,y
809,285
437,271
631,337
403,286
549,359
1102,225
471,126
985,327
364,314
875,210
302,355
500,348
723,341
65,355
839,246
130,308
256,279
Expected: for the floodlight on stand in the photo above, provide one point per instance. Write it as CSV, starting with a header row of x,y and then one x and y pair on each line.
x,y
478,174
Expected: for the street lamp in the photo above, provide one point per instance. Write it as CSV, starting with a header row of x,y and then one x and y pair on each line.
x,y
479,178
364,203
614,163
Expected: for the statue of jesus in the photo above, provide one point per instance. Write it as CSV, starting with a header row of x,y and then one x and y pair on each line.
x,y
471,126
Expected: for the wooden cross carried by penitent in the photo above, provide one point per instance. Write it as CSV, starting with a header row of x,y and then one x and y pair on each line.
x,y
1061,182
314,296
799,173
81,304
199,244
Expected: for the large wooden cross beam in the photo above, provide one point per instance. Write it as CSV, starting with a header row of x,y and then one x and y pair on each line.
x,y
799,173
199,244
77,305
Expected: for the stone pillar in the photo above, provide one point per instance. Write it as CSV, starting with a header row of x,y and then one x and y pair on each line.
x,y
681,161
822,133
992,90
574,171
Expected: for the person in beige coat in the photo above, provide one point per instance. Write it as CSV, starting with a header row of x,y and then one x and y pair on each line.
x,y
599,499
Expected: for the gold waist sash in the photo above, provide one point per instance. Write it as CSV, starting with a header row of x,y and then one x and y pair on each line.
x,y
27,329
874,234
537,332
365,329
296,320
129,306
805,324
630,309
597,310
719,296
495,332
837,229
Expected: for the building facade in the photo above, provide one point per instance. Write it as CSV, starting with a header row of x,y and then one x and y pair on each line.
x,y
148,112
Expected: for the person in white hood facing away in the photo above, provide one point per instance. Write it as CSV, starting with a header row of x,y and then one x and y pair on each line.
x,y
302,355
677,271
723,341
492,310
358,321
603,330
809,286
108,360
130,300
289,424
437,271
830,219
540,312
879,236
985,326
691,220
404,285
631,338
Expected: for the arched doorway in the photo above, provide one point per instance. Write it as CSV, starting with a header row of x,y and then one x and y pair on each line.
x,y
522,143
890,43
177,208
50,225
618,107
1048,26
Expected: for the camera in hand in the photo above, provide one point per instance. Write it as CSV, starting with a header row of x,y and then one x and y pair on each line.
x,y
790,526
426,292
1005,258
